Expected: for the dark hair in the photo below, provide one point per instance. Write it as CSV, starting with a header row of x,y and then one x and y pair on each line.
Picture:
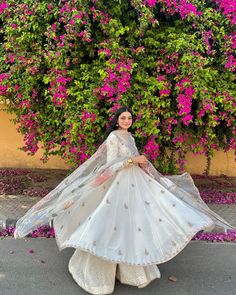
x,y
112,126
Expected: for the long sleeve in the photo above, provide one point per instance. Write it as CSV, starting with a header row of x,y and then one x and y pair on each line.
x,y
116,159
112,147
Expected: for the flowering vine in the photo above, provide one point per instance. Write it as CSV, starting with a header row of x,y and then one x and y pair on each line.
x,y
66,67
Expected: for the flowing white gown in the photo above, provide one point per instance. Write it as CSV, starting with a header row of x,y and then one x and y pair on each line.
x,y
121,219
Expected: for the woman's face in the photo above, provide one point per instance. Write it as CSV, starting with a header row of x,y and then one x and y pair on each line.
x,y
125,120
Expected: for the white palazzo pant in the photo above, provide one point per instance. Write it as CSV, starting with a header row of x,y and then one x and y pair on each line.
x,y
97,276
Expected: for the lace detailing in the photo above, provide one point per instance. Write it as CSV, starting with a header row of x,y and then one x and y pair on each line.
x,y
97,276
93,274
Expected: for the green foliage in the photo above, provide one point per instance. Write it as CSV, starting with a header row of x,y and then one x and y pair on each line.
x,y
66,66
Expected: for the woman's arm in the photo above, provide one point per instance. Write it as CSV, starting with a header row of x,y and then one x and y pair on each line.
x,y
112,145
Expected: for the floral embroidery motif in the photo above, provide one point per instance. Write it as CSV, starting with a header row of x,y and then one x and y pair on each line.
x,y
68,204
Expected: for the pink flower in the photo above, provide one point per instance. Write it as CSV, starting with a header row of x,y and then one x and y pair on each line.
x,y
187,119
151,3
3,6
161,78
165,92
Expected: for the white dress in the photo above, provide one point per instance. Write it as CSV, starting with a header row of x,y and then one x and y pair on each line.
x,y
123,221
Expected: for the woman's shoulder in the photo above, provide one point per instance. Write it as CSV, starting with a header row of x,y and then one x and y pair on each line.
x,y
112,135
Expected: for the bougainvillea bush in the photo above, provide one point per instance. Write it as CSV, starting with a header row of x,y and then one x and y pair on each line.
x,y
66,66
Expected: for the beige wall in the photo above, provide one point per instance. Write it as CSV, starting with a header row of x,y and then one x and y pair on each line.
x,y
10,156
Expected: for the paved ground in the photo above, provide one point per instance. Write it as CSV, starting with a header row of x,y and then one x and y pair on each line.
x,y
201,269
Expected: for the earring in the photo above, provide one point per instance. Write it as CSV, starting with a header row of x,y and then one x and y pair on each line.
x,y
117,124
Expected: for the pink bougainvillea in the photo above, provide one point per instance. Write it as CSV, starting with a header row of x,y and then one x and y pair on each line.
x,y
185,97
66,67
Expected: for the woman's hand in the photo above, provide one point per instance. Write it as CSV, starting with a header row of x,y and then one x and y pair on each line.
x,y
141,160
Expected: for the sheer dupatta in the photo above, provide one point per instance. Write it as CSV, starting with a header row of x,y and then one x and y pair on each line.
x,y
109,159
183,187
102,165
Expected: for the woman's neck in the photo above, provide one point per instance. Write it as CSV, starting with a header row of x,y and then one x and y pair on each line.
x,y
122,130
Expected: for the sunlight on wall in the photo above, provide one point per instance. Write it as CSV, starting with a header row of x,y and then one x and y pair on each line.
x,y
10,156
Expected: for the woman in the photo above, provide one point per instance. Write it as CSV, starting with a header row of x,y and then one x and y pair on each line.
x,y
121,215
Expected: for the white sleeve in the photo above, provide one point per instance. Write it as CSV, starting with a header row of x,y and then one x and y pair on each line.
x,y
112,147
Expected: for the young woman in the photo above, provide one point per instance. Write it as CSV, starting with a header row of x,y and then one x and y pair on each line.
x,y
121,215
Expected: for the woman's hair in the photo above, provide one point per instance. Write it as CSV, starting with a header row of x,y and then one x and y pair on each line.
x,y
112,126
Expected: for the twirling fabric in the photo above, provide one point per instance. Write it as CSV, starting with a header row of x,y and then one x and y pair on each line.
x,y
120,212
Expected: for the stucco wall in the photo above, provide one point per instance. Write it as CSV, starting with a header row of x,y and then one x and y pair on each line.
x,y
10,156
